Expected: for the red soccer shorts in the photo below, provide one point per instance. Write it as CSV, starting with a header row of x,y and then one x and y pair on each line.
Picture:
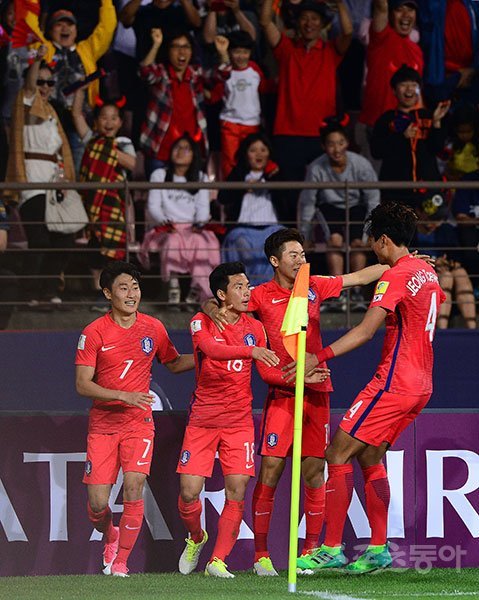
x,y
277,425
106,453
377,416
235,447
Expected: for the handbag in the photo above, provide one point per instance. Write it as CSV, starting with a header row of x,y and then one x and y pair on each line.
x,y
67,216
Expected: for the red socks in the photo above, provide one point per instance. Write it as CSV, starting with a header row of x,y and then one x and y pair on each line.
x,y
130,525
314,509
263,498
339,490
190,514
102,522
376,485
228,529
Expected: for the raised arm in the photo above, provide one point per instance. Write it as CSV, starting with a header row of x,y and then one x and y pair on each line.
x,y
191,13
30,85
343,40
128,13
364,276
380,15
271,31
157,39
78,117
242,20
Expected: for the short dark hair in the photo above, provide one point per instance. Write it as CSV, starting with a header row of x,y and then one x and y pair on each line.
x,y
114,269
116,102
394,219
220,276
274,244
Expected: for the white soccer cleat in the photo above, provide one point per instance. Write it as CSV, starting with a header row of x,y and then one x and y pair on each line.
x,y
264,567
191,555
217,568
109,553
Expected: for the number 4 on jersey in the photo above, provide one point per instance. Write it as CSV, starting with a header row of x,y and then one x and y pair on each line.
x,y
432,316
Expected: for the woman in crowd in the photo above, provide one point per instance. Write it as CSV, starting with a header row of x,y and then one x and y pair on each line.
x,y
39,151
179,216
251,215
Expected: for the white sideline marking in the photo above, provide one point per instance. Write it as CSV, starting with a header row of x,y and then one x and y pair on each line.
x,y
444,594
330,596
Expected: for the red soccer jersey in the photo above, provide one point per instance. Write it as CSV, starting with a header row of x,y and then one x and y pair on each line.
x,y
411,294
387,51
306,86
270,300
223,396
122,360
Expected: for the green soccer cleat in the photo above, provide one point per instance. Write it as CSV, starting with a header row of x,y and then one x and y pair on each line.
x,y
217,568
324,558
303,562
191,554
374,559
264,567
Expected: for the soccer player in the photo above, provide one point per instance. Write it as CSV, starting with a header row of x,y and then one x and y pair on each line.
x,y
113,367
284,250
221,416
407,298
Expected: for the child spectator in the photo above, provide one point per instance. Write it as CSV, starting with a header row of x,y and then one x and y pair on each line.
x,y
177,95
107,158
462,151
185,245
243,82
338,164
252,215
434,234
74,60
408,138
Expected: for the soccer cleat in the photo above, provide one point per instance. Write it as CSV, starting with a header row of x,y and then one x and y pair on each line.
x,y
374,559
217,568
264,567
191,554
119,569
109,553
303,561
324,559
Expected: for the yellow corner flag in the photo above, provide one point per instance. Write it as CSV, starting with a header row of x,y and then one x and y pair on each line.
x,y
293,330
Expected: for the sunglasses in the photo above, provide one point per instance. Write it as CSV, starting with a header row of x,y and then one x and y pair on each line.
x,y
49,82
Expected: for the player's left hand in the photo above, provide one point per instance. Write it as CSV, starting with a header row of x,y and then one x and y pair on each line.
x,y
426,257
266,356
318,375
311,362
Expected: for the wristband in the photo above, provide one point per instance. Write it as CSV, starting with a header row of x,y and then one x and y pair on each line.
x,y
325,354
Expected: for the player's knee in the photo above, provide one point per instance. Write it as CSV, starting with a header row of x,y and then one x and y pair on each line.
x,y
98,505
189,495
336,456
133,490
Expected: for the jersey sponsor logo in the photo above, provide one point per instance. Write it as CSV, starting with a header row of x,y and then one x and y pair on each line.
x,y
87,467
147,345
249,466
378,297
106,348
311,295
195,325
185,457
278,300
249,340
272,440
140,463
381,287
81,342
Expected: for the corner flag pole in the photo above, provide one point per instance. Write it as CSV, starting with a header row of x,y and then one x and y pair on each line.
x,y
293,329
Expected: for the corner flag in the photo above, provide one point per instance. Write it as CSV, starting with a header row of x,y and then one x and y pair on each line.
x,y
293,330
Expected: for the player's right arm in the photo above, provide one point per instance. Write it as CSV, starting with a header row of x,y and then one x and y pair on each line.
x,y
364,276
86,386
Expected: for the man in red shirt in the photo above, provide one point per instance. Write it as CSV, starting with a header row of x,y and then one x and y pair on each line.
x,y
221,418
285,252
389,48
407,299
113,367
306,84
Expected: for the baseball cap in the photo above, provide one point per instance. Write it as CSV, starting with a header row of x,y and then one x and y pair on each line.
x,y
435,207
318,7
393,4
62,15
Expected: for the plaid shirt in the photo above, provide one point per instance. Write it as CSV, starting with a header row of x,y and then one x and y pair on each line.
x,y
160,106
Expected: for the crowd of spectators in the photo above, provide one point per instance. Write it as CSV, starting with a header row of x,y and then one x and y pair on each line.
x,y
340,91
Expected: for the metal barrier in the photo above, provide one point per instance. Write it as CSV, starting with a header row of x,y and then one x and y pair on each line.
x,y
131,186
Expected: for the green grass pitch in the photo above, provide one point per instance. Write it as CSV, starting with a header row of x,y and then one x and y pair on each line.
x,y
392,584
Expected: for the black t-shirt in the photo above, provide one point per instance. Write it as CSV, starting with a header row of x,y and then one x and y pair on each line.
x,y
148,17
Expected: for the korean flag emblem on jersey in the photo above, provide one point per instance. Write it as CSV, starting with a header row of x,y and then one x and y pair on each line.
x,y
249,340
311,295
185,457
272,439
147,345
380,290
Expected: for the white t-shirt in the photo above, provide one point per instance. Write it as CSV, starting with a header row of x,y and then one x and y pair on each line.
x,y
241,97
257,209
